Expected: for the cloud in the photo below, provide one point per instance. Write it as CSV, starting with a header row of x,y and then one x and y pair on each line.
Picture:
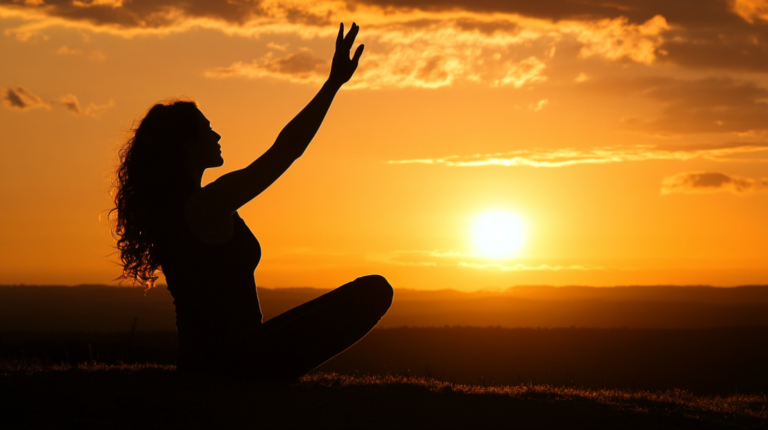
x,y
427,49
536,107
524,72
96,3
66,51
22,99
412,258
713,38
720,34
751,10
498,51
423,258
272,45
525,268
739,47
712,105
71,104
95,111
616,39
301,67
711,182
94,55
562,157
160,17
400,68
636,11
436,51
117,15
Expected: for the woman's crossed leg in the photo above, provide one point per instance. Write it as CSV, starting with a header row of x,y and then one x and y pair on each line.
x,y
303,338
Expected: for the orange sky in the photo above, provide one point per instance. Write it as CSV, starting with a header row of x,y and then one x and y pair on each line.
x,y
631,136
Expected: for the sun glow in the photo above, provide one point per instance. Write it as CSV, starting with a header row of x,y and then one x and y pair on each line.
x,y
498,234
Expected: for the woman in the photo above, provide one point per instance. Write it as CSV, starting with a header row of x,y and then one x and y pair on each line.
x,y
166,221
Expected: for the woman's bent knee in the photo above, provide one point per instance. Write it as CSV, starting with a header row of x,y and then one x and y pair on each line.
x,y
377,289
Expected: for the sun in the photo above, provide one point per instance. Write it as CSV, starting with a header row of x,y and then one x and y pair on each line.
x,y
498,234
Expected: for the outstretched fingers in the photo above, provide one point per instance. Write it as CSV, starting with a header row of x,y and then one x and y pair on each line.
x,y
358,53
342,67
340,36
350,39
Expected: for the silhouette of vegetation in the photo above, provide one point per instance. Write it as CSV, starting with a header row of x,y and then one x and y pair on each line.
x,y
33,395
718,361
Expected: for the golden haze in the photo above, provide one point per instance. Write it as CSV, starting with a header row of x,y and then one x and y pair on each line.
x,y
631,140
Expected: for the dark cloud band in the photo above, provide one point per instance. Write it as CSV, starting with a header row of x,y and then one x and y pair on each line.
x,y
711,182
22,99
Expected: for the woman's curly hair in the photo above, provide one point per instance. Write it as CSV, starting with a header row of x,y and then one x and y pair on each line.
x,y
149,182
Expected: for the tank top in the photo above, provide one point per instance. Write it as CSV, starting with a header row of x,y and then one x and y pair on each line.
x,y
214,292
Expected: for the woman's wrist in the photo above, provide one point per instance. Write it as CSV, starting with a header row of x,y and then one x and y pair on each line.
x,y
333,84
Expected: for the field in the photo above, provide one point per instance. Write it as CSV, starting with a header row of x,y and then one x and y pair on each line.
x,y
570,358
154,396
104,309
718,361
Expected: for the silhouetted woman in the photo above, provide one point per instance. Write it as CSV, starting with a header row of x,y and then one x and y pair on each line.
x,y
166,221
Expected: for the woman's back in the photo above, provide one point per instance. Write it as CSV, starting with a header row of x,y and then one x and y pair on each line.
x,y
217,309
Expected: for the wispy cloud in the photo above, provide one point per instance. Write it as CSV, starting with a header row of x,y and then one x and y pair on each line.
x,y
70,103
536,107
385,71
22,99
616,39
93,110
64,50
301,67
526,268
562,157
711,182
412,258
750,10
423,258
711,105
272,45
95,55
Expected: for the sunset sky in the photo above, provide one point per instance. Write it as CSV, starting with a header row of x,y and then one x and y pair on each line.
x,y
629,138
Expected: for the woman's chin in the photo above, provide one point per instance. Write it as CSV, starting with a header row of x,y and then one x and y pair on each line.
x,y
214,164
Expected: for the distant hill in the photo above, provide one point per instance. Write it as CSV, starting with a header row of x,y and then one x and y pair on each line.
x,y
108,309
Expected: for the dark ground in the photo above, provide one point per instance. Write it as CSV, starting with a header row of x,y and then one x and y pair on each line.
x,y
160,398
115,309
707,341
717,361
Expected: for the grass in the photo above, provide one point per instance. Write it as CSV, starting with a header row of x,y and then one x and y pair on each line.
x,y
736,406
38,395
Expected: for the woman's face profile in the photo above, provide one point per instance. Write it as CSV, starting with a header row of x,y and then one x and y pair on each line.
x,y
206,152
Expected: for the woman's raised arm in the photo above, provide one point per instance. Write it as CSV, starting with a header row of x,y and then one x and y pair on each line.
x,y
224,196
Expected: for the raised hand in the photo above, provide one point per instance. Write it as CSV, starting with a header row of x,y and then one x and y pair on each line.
x,y
342,68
